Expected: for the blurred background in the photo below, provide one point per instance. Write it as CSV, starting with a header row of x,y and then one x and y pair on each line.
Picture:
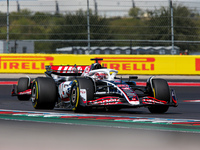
x,y
100,26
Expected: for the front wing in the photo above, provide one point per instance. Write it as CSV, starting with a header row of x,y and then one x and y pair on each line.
x,y
143,101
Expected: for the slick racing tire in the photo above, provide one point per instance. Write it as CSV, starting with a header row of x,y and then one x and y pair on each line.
x,y
23,85
44,93
160,91
76,100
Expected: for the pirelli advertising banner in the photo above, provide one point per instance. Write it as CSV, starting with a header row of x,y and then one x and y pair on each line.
x,y
125,64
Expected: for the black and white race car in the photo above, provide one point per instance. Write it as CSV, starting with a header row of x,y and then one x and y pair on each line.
x,y
82,88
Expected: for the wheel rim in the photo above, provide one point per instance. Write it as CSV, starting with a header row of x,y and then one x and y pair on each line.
x,y
73,96
33,94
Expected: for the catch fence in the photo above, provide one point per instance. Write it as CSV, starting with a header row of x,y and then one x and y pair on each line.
x,y
139,26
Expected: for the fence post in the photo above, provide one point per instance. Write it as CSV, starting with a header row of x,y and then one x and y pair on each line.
x,y
131,50
172,27
88,27
7,41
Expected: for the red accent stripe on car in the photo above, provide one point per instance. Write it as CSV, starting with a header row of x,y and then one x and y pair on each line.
x,y
8,82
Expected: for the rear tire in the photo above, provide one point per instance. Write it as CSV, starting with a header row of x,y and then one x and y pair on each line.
x,y
160,91
76,100
44,93
23,85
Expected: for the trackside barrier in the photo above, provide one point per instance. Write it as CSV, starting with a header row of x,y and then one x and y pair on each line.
x,y
125,64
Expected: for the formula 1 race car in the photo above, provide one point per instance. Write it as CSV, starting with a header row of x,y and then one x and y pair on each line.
x,y
82,88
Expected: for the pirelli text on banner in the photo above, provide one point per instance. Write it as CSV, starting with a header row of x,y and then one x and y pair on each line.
x,y
124,64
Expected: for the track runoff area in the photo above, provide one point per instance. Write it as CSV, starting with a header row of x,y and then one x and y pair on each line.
x,y
158,124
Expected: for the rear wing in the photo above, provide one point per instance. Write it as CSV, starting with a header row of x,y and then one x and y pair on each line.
x,y
65,70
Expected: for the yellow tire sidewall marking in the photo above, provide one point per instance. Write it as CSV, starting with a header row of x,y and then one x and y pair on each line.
x,y
36,94
154,93
77,95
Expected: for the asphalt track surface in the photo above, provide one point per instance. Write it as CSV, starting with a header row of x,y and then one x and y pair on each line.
x,y
21,133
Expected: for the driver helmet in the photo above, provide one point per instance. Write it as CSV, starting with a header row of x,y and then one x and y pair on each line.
x,y
95,66
101,75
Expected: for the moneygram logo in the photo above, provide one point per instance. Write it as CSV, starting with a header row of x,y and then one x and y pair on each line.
x,y
129,63
25,62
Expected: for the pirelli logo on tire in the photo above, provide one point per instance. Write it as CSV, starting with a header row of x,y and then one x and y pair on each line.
x,y
24,63
128,64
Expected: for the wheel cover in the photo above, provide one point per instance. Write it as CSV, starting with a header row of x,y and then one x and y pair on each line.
x,y
34,95
74,96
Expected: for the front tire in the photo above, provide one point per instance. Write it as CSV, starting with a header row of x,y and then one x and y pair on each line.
x,y
78,103
44,93
23,85
160,91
